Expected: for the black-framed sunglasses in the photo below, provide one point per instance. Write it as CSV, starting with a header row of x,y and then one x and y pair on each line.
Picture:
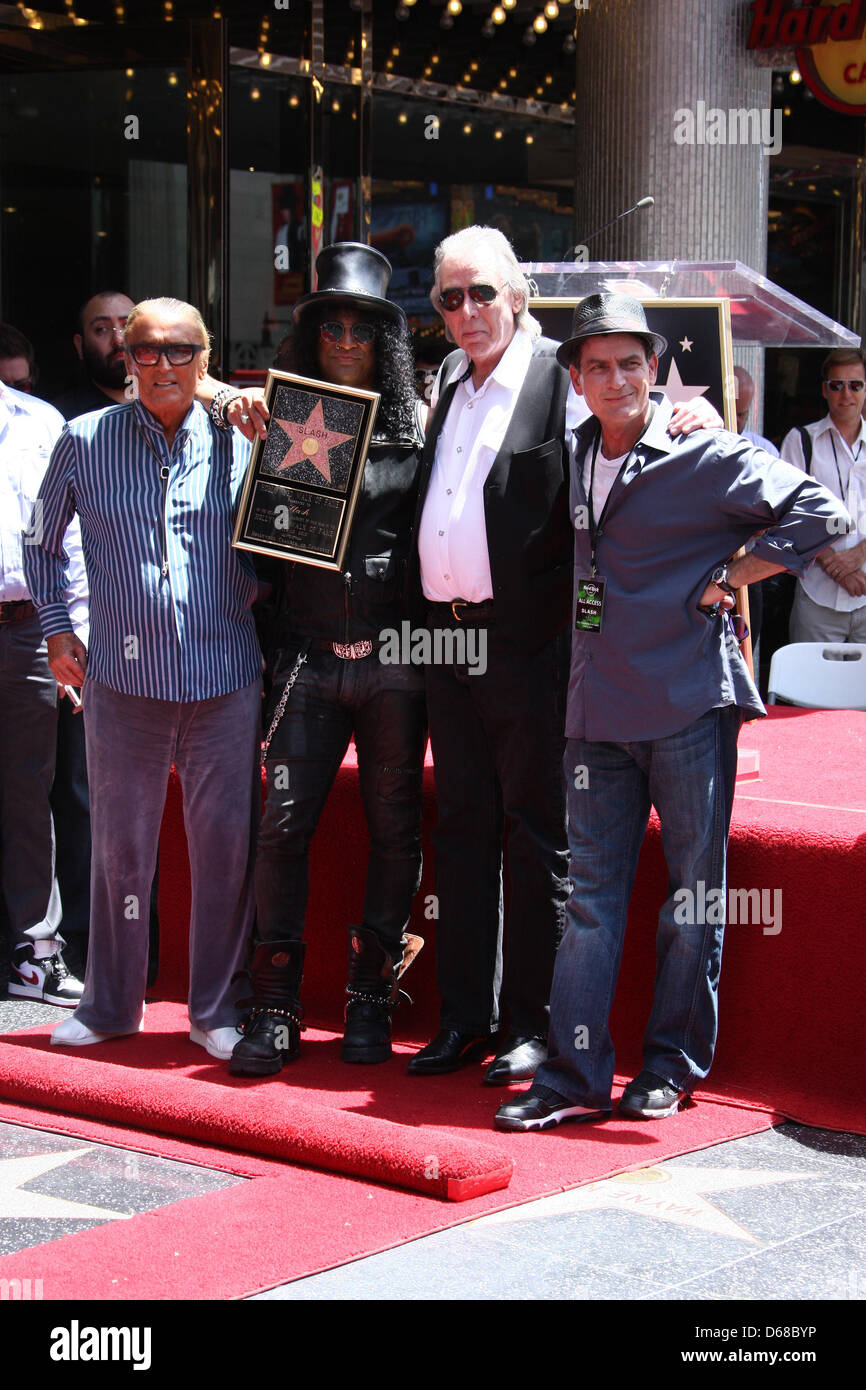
x,y
176,354
362,333
738,626
855,386
479,294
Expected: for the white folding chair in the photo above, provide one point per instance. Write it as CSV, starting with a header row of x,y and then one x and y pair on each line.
x,y
819,675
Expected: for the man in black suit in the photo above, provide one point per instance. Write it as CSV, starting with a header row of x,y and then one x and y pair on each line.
x,y
494,546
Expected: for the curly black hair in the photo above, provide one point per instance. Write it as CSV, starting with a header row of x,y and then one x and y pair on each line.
x,y
394,376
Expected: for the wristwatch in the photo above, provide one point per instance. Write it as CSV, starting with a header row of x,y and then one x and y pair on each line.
x,y
719,577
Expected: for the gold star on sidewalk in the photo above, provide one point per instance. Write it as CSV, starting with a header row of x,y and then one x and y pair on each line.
x,y
665,1194
20,1204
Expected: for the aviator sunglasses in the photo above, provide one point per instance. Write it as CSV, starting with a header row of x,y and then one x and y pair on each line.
x,y
363,333
176,354
479,294
854,386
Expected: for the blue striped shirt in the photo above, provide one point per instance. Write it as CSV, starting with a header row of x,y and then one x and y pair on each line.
x,y
170,600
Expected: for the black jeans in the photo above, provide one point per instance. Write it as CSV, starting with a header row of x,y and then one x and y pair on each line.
x,y
498,740
332,699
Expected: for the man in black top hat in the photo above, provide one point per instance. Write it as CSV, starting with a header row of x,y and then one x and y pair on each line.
x,y
327,637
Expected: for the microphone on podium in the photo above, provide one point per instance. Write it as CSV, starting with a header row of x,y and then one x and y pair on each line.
x,y
644,203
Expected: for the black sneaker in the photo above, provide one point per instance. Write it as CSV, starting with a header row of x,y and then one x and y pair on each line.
x,y
542,1108
46,979
650,1097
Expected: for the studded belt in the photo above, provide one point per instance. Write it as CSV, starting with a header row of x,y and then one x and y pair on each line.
x,y
346,651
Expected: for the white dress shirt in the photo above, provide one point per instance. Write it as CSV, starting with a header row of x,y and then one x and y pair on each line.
x,y
452,537
851,461
29,429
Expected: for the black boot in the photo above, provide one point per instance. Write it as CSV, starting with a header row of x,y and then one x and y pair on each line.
x,y
372,994
272,1028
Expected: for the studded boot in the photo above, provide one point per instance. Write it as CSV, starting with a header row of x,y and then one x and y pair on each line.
x,y
372,994
272,1027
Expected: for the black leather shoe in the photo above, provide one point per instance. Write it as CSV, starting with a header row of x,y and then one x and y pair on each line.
x,y
517,1060
649,1097
542,1108
449,1051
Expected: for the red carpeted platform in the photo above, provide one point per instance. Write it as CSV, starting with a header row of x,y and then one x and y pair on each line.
x,y
792,1029
791,1040
423,1134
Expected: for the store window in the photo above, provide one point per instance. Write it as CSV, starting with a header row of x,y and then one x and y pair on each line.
x,y
93,195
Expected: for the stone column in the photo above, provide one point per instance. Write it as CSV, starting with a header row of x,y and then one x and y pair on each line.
x,y
638,64
642,64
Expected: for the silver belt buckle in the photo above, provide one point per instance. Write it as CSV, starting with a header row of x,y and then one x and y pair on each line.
x,y
352,651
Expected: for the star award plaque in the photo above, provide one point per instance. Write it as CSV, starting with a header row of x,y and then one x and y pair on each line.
x,y
303,480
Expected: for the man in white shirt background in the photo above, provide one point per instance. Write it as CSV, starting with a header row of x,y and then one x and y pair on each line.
x,y
830,601
28,698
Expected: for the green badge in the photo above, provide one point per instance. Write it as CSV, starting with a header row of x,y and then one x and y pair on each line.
x,y
590,604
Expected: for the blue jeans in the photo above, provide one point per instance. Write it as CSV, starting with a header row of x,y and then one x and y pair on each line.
x,y
689,777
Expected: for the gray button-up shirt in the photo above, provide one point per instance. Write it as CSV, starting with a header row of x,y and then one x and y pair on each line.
x,y
681,507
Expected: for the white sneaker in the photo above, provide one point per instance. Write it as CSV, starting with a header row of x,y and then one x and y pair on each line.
x,y
219,1042
72,1033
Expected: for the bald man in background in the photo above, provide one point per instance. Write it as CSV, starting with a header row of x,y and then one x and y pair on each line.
x,y
99,345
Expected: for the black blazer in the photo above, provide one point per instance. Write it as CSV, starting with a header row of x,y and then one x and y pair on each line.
x,y
529,536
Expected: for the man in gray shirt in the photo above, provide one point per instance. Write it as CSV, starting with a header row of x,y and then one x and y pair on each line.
x,y
657,692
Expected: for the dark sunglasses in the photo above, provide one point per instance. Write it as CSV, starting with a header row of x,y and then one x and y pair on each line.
x,y
25,384
854,386
479,294
176,354
363,333
738,627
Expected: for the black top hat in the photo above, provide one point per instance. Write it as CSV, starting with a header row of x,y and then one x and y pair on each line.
x,y
609,313
351,273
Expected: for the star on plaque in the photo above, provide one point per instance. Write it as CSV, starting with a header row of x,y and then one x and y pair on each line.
x,y
311,442
686,344
674,388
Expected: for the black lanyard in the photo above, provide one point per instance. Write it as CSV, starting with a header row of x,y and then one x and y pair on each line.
x,y
836,461
595,531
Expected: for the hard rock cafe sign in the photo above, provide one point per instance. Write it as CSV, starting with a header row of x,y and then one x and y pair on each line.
x,y
829,41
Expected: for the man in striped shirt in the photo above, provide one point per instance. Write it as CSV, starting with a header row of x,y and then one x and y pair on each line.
x,y
173,670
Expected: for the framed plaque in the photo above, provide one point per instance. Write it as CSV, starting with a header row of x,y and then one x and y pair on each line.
x,y
698,360
303,480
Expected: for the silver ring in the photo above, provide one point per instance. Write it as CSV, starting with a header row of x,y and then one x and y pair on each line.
x,y
244,418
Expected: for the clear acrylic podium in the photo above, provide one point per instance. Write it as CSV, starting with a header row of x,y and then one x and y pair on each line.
x,y
761,312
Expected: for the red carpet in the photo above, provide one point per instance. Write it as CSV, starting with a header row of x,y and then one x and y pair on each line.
x,y
791,1039
792,1011
291,1221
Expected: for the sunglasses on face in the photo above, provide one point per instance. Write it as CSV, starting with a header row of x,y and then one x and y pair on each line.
x,y
25,384
362,333
855,386
479,294
176,354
